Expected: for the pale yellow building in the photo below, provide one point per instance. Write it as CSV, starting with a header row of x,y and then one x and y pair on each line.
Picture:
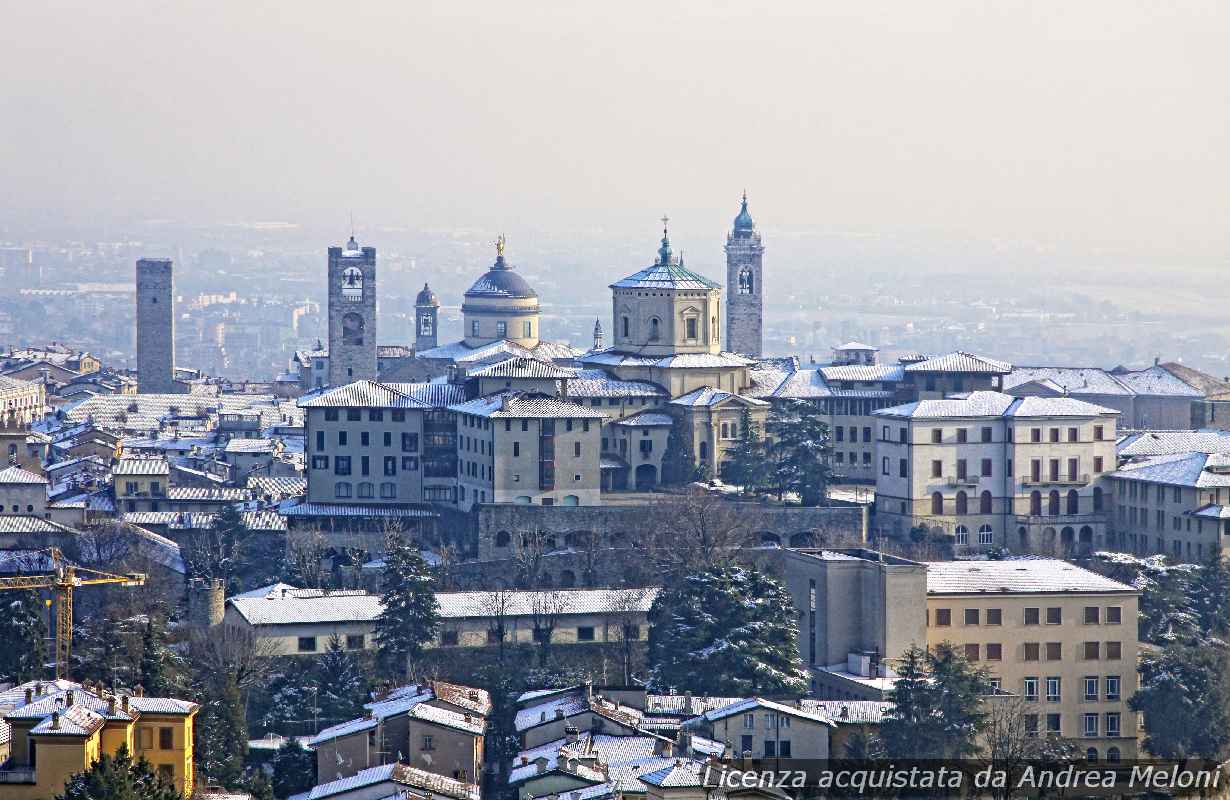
x,y
61,728
1061,637
1176,505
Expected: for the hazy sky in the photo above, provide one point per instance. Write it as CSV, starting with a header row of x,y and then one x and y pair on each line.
x,y
1100,125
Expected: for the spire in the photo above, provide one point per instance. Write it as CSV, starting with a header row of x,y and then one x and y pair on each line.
x,y
664,252
598,337
743,222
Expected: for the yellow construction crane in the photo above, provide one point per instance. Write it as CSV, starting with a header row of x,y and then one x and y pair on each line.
x,y
63,579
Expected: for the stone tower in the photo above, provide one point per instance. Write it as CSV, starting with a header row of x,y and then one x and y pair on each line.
x,y
352,313
598,337
155,326
745,303
426,318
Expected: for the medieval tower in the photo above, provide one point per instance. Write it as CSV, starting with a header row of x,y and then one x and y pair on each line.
x,y
745,289
426,317
352,314
156,326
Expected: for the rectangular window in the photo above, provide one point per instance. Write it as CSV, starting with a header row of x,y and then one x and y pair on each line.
x,y
1031,616
995,616
1073,434
1035,434
428,742
986,468
330,415
585,633
995,652
1098,433
527,330
1112,724
1054,651
390,465
320,440
1053,693
884,465
353,415
1091,688
986,435
307,644
576,449
341,438
1031,651
1030,689
1054,434
770,748
943,617
1054,615
516,449
745,744
1114,615
971,652
1089,724
902,468
962,474
320,462
937,435
1092,614
354,641
749,721
691,327
972,616
840,433
341,465
399,416
1097,463
364,439
962,435
1112,687
1052,723
474,328
166,738
501,329
409,463
409,442
1114,651
448,638
937,469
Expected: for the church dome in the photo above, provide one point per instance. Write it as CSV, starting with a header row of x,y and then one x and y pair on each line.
x,y
500,281
426,297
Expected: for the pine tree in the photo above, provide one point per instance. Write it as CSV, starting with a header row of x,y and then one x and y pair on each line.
x,y
411,615
294,769
290,696
260,787
1185,697
219,551
722,631
22,629
799,451
677,463
747,463
343,686
157,671
222,741
937,706
118,778
1210,596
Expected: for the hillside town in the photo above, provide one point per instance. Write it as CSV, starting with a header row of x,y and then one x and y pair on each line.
x,y
520,568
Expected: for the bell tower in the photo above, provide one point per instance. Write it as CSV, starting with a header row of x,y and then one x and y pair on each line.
x,y
426,317
745,289
352,313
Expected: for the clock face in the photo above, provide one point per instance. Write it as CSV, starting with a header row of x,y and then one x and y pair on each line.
x,y
352,283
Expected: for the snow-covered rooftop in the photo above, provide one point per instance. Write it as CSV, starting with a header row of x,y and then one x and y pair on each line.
x,y
1016,576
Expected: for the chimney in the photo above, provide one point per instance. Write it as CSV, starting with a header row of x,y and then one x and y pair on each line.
x,y
559,713
525,760
111,705
140,690
29,695
55,720
124,703
845,712
589,690
472,695
68,699
571,734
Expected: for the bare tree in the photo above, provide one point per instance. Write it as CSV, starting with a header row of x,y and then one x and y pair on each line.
x,y
546,606
693,531
225,650
1011,741
496,605
529,550
305,555
623,617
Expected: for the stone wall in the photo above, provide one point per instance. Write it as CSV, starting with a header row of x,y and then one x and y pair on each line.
x,y
155,326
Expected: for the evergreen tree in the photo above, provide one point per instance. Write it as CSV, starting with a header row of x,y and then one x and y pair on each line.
x,y
22,629
259,786
219,551
722,631
678,465
286,701
1185,696
343,687
222,740
937,711
747,464
118,778
411,615
158,668
294,769
799,450
1210,595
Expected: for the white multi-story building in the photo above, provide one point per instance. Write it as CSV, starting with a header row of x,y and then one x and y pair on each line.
x,y
994,470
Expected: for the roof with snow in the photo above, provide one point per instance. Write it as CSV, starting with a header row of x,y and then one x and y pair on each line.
x,y
17,475
521,367
589,383
395,775
1160,443
648,419
708,396
962,362
616,358
1196,470
994,404
753,703
857,346
517,405
1017,576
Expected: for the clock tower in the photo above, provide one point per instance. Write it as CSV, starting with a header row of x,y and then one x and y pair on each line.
x,y
744,287
352,313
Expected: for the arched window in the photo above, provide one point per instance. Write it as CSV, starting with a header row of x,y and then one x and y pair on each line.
x,y
962,534
1074,502
625,325
1091,755
937,503
653,329
388,490
1097,504
366,490
986,535
502,539
984,503
962,504
704,451
1035,503
1112,755
747,281
341,489
571,500
1052,503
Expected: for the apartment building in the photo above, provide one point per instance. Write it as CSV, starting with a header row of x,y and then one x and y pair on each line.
x,y
992,470
1176,504
528,448
60,728
1061,637
764,729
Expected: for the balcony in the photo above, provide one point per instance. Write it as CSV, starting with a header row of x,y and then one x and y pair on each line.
x,y
1061,520
1078,480
17,775
968,480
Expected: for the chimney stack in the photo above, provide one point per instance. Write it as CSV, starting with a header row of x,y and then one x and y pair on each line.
x,y
68,699
124,703
29,695
55,720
